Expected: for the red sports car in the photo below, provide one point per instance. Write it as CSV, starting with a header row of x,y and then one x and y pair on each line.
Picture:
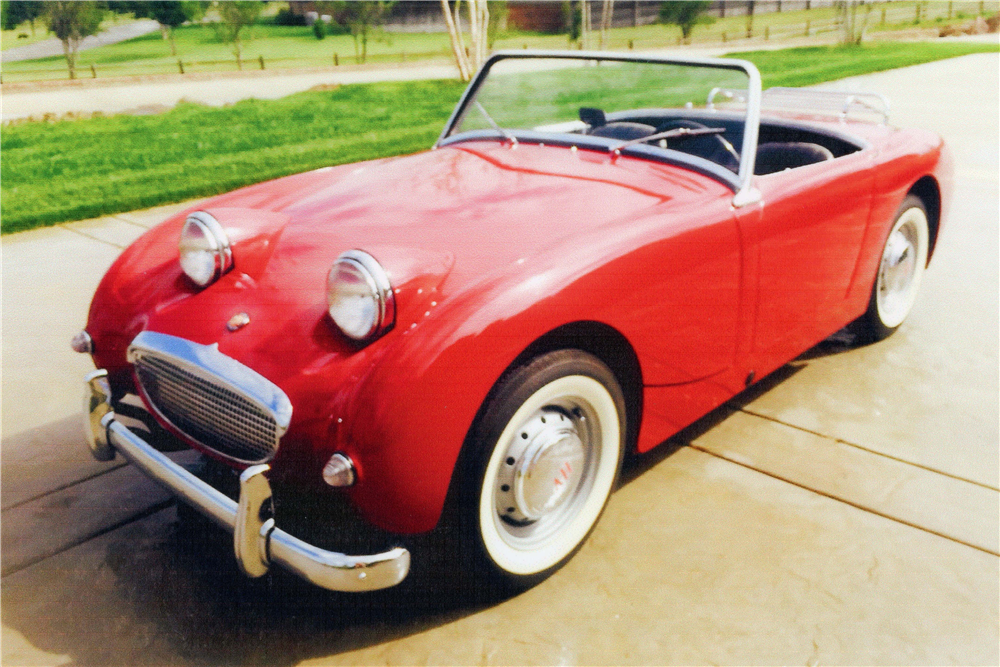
x,y
599,250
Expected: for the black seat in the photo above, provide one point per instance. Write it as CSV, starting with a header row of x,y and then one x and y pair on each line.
x,y
623,131
712,147
778,156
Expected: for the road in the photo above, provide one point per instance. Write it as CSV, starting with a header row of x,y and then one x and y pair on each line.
x,y
844,511
53,46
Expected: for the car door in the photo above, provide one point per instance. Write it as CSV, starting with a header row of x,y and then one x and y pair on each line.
x,y
808,233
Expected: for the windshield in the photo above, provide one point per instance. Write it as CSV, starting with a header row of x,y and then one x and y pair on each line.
x,y
697,108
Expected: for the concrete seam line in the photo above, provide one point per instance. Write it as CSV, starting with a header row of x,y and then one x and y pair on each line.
x,y
869,510
149,511
126,220
870,451
63,487
92,238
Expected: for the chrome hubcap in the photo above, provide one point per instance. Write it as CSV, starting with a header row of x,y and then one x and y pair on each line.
x,y
896,284
544,473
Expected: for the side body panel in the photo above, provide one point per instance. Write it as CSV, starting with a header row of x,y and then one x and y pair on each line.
x,y
809,234
670,282
483,267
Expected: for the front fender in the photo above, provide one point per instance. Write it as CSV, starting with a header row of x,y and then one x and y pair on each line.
x,y
408,419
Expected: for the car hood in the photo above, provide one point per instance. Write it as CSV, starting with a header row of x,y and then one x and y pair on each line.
x,y
481,204
441,223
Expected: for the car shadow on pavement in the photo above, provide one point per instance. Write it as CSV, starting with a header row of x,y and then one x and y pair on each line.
x,y
158,590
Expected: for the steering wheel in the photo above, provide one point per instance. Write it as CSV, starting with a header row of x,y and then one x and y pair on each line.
x,y
712,147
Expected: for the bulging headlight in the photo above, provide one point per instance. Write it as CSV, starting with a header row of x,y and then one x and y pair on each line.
x,y
359,296
204,249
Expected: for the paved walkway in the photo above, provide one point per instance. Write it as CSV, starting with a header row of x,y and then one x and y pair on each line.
x,y
162,93
53,46
845,511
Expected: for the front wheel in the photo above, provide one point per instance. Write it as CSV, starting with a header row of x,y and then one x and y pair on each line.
x,y
901,268
548,448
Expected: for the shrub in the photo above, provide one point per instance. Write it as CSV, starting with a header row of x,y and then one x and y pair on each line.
x,y
286,17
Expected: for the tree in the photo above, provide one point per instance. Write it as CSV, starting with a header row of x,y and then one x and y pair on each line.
x,y
359,17
71,22
172,14
852,30
236,15
17,12
468,58
683,14
168,13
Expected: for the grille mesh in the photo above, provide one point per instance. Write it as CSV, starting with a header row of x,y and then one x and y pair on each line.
x,y
213,415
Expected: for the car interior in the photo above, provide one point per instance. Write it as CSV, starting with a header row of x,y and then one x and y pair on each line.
x,y
781,144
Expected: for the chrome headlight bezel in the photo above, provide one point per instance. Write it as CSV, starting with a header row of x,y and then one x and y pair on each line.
x,y
359,296
204,250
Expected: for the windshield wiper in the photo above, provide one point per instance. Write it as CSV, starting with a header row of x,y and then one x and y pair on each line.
x,y
489,119
668,134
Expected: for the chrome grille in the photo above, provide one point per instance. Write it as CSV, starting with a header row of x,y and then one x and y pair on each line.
x,y
198,391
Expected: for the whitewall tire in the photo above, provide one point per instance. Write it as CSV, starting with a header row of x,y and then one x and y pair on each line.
x,y
900,272
550,445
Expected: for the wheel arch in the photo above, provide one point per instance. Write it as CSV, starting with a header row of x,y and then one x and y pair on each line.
x,y
928,191
612,348
601,340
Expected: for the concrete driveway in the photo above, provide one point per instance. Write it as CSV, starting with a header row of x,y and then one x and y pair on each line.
x,y
843,511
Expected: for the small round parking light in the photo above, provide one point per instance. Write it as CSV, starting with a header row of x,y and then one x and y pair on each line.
x,y
82,343
339,471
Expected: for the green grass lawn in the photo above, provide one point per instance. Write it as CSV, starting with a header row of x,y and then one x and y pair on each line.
x,y
199,48
73,169
295,47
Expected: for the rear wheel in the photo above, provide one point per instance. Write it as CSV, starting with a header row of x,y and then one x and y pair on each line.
x,y
901,268
548,448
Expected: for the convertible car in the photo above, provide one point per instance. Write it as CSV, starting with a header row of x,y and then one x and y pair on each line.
x,y
599,250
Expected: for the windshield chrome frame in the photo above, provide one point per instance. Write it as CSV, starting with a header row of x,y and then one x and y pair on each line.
x,y
745,194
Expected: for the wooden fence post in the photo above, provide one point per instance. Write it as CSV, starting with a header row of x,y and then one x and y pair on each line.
x,y
180,65
261,62
336,60
93,72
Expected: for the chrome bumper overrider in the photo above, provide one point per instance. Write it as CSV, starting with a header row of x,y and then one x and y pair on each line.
x,y
257,542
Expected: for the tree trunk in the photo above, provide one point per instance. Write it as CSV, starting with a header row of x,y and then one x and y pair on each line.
x,y
482,42
456,43
607,12
70,53
173,44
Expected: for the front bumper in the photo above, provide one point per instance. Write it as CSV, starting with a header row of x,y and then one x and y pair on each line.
x,y
257,541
